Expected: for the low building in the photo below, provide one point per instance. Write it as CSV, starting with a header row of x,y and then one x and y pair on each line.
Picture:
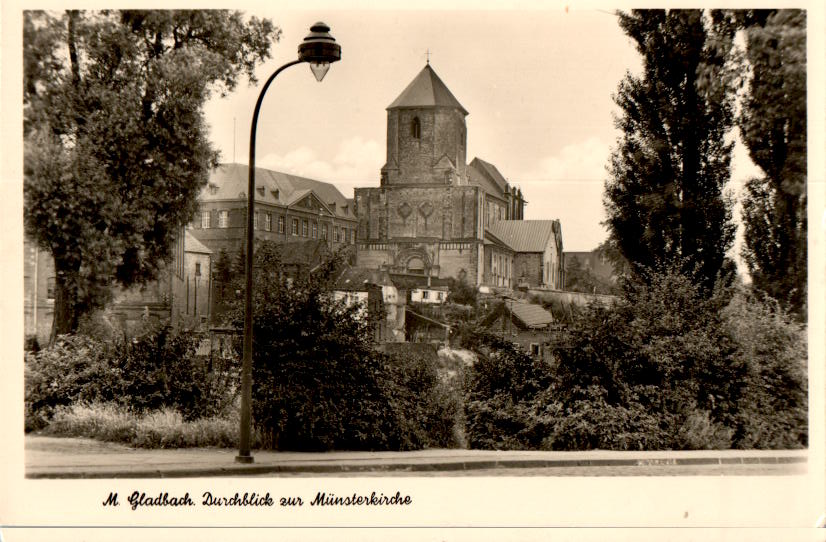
x,y
523,323
374,289
430,295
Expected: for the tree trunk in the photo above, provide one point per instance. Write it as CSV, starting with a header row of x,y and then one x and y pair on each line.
x,y
66,315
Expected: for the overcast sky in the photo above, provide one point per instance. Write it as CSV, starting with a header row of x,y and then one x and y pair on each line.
x,y
537,85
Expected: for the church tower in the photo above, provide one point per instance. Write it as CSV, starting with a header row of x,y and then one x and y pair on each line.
x,y
426,135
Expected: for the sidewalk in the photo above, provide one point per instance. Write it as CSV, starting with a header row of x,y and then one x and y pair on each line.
x,y
51,457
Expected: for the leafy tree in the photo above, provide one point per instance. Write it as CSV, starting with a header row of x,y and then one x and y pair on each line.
x,y
649,371
773,126
115,143
578,278
319,383
664,199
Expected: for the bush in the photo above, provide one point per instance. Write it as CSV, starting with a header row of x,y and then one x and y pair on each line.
x,y
156,370
157,429
506,400
428,403
319,383
772,345
74,369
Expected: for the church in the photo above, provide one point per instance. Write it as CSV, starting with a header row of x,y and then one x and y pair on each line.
x,y
435,216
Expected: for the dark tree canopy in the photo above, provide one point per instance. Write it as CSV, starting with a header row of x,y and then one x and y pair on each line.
x,y
664,198
773,127
116,146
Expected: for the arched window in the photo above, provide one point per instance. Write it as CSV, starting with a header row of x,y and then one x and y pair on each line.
x,y
416,128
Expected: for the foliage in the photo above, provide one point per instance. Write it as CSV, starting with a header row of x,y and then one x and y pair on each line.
x,y
73,369
772,346
578,278
773,127
664,199
115,143
156,370
429,403
661,351
319,384
164,428
463,293
502,391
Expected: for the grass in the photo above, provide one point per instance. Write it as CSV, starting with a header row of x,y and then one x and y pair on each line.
x,y
159,429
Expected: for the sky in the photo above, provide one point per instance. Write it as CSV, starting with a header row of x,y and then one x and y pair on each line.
x,y
537,84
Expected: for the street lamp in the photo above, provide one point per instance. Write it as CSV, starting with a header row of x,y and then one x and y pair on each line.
x,y
319,49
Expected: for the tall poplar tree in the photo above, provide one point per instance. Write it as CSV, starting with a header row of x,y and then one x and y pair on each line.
x,y
773,126
115,142
665,199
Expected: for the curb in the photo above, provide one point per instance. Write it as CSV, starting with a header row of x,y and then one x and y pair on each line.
x,y
411,467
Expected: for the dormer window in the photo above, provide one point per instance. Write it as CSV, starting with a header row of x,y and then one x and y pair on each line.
x,y
275,194
416,128
260,190
213,189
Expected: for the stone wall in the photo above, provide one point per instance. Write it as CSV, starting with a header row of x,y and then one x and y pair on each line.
x,y
528,268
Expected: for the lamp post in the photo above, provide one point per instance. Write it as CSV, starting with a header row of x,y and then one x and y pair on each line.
x,y
319,49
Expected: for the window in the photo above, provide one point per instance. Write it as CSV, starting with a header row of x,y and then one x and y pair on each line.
x,y
324,231
440,296
425,294
416,128
256,224
335,234
353,236
281,224
204,219
50,286
315,230
197,269
304,228
223,219
295,226
269,221
535,351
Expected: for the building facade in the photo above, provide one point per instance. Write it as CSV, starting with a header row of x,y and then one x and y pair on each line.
x,y
287,208
430,215
180,295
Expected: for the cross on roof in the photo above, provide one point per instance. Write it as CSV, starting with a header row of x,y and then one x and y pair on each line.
x,y
428,55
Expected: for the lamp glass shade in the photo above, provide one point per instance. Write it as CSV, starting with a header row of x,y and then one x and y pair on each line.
x,y
319,69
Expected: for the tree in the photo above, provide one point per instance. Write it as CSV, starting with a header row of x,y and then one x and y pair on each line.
x,y
772,123
115,143
664,199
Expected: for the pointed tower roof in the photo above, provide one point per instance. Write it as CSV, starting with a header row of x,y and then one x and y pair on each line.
x,y
427,90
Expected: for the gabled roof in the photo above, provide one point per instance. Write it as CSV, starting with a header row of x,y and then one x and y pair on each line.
x,y
530,315
193,245
486,175
526,315
426,90
229,181
525,235
358,278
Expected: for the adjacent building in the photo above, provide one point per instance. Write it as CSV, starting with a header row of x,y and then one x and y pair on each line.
x,y
287,208
181,293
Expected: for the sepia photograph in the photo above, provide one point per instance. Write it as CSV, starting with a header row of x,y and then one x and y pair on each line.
x,y
451,273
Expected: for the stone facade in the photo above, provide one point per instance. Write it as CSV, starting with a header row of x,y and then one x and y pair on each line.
x,y
429,215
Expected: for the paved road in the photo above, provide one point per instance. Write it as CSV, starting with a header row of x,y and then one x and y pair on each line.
x,y
50,457
664,470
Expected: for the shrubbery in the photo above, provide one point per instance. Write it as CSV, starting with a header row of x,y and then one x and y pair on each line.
x,y
319,383
158,369
668,367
